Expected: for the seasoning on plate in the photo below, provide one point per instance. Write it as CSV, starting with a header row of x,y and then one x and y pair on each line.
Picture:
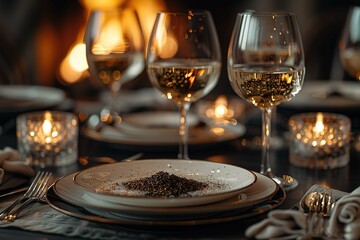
x,y
163,184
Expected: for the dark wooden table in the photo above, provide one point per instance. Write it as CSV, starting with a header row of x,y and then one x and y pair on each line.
x,y
233,152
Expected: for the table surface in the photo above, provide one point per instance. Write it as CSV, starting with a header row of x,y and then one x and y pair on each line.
x,y
234,152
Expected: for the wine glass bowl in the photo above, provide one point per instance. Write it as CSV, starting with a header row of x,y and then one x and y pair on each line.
x,y
114,51
183,61
266,68
349,45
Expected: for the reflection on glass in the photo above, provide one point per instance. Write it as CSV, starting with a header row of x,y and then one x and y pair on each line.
x,y
183,61
350,43
266,68
114,51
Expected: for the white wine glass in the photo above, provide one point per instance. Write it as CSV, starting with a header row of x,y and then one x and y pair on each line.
x,y
183,61
115,53
266,67
349,45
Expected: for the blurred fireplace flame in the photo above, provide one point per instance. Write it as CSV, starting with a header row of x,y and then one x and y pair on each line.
x,y
74,65
167,44
110,39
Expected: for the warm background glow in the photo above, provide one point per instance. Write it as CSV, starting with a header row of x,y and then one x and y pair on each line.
x,y
74,65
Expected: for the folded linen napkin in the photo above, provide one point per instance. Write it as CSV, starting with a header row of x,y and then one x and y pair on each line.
x,y
280,223
9,163
291,224
345,217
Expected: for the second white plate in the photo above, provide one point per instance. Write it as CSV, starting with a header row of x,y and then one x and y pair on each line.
x,y
161,128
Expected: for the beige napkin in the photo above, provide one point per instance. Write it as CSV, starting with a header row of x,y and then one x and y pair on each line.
x,y
280,223
9,163
345,217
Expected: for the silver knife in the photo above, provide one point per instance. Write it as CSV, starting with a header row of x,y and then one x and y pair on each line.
x,y
19,190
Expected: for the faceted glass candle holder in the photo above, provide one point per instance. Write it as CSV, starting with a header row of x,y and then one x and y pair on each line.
x,y
319,140
47,139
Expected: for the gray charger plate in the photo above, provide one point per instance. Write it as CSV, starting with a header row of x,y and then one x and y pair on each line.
x,y
79,212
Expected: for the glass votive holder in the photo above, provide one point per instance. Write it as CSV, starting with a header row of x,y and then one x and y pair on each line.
x,y
47,139
319,140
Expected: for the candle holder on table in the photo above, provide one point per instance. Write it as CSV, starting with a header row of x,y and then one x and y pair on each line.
x,y
319,140
47,138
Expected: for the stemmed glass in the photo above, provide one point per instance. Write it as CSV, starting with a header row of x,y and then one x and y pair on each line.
x,y
349,46
184,61
115,52
266,68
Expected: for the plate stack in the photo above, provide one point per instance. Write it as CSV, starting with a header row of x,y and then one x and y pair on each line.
x,y
128,193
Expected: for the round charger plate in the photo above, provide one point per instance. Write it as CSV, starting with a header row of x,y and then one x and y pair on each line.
x,y
23,98
107,217
263,189
223,181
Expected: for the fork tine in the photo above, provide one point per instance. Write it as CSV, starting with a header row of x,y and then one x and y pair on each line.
x,y
43,185
42,182
34,187
33,184
44,188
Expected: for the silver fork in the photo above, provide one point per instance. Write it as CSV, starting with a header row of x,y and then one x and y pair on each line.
x,y
36,191
320,207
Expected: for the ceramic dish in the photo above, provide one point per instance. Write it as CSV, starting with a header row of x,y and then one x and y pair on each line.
x,y
257,204
315,95
264,188
129,134
223,181
22,98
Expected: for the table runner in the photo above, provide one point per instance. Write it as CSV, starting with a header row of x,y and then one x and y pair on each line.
x,y
40,217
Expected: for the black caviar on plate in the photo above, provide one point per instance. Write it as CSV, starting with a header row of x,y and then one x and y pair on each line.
x,y
163,184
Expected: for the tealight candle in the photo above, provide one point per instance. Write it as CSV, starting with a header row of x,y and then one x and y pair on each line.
x,y
319,140
222,111
47,138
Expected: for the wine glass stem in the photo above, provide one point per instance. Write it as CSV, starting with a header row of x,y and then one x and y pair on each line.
x,y
184,131
108,113
266,134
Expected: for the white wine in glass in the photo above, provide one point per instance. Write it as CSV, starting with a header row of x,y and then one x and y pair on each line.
x,y
349,46
115,52
183,61
266,67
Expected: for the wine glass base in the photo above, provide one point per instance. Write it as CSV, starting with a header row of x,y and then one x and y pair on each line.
x,y
286,182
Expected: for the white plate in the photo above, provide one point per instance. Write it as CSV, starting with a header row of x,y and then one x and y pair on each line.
x,y
153,125
131,133
223,181
263,189
313,95
20,98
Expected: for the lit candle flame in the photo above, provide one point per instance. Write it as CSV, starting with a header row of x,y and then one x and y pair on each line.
x,y
221,109
47,127
319,125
